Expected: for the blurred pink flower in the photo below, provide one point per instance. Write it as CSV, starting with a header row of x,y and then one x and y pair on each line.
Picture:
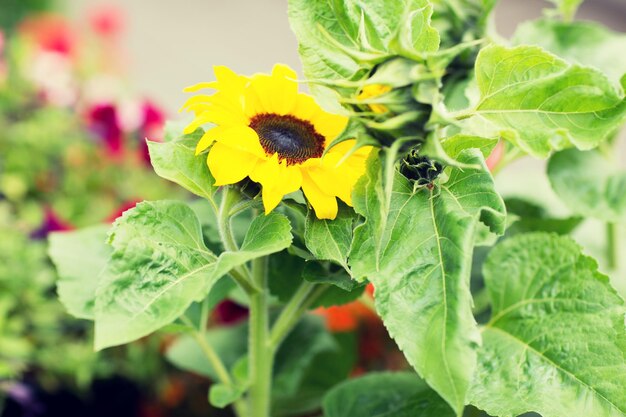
x,y
106,20
152,123
496,156
103,122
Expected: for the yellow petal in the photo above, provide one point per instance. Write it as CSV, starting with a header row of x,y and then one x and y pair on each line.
x,y
200,86
325,206
266,171
306,108
289,180
242,138
206,140
329,125
228,165
276,92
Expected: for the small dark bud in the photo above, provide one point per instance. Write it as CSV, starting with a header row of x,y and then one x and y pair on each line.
x,y
420,169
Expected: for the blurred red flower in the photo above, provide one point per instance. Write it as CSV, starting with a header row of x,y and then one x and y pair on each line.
x,y
103,122
51,33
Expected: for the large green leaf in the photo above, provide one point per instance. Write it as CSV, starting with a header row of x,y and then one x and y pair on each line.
x,y
176,161
330,239
416,248
556,342
338,38
589,184
583,43
160,265
79,257
399,394
541,103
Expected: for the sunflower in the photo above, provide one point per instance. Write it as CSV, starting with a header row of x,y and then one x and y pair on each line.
x,y
264,129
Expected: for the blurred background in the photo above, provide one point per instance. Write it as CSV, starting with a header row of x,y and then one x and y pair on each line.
x,y
81,86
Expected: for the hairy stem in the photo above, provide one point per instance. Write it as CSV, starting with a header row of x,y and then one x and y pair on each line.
x,y
283,324
241,275
260,354
282,329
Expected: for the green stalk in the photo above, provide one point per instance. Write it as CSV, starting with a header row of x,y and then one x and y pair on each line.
x,y
241,275
283,324
260,354
612,246
282,328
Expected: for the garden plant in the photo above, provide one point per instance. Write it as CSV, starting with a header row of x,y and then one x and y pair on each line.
x,y
383,177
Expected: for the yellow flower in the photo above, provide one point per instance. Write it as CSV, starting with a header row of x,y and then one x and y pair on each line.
x,y
374,91
268,131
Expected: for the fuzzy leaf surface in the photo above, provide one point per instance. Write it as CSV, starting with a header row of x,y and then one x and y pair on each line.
x,y
385,394
160,265
541,103
556,342
176,161
330,239
416,249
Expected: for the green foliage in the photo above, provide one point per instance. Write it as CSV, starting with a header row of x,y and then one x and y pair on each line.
x,y
583,43
330,239
555,343
79,256
385,395
541,103
338,39
160,265
532,217
416,248
176,161
228,342
589,184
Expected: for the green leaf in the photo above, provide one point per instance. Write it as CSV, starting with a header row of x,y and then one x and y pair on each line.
x,y
176,161
160,265
325,370
532,217
556,342
583,43
589,184
339,38
330,239
385,395
307,340
79,257
221,395
416,248
230,344
541,103
456,144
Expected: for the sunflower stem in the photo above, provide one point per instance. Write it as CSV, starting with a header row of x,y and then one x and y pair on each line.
x,y
261,354
241,275
281,330
283,323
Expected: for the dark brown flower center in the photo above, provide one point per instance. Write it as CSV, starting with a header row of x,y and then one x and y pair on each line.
x,y
293,139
